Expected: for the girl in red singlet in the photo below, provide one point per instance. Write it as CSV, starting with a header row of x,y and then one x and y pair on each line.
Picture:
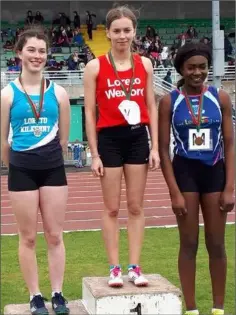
x,y
120,83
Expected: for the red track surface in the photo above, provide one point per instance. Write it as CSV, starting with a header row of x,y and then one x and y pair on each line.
x,y
84,206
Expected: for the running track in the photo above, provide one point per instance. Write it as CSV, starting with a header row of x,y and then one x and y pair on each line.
x,y
84,207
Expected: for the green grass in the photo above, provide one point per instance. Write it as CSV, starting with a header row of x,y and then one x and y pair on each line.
x,y
86,257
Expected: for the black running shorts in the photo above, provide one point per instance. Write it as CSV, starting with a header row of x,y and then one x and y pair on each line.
x,y
123,145
23,179
194,176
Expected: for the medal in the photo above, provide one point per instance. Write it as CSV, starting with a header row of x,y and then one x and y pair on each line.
x,y
127,93
198,141
37,131
196,119
33,106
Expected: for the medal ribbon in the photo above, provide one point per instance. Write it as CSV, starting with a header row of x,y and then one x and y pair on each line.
x,y
33,106
127,93
196,119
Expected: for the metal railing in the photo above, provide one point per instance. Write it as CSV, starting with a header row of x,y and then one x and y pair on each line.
x,y
229,74
66,77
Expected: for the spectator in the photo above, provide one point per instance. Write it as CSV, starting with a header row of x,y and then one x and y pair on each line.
x,y
167,81
76,20
164,56
78,38
191,32
8,45
89,22
29,19
150,32
73,61
38,18
70,34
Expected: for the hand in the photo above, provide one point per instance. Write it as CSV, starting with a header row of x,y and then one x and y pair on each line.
x,y
178,204
227,200
97,167
154,160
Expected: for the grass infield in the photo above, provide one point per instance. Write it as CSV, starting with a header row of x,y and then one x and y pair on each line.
x,y
85,256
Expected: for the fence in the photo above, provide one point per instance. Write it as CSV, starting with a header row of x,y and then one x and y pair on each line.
x,y
77,155
65,77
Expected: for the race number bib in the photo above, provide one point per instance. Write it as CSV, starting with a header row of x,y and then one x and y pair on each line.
x,y
200,140
131,112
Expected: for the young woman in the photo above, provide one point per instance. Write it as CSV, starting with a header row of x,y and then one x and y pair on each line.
x,y
120,83
39,113
202,171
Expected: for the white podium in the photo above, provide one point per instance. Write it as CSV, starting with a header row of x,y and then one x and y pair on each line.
x,y
159,297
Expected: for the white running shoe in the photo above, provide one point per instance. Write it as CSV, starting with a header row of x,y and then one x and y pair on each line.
x,y
115,279
135,275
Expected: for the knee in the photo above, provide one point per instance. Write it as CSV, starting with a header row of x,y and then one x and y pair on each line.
x,y
216,250
189,249
112,211
28,241
134,209
53,239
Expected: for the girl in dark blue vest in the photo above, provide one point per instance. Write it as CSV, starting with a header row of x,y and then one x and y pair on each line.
x,y
38,112
201,174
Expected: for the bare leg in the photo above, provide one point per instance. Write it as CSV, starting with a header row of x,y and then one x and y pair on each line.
x,y
111,188
214,222
188,232
135,177
53,206
25,206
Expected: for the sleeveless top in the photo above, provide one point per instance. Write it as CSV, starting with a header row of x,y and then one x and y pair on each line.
x,y
210,151
110,96
35,145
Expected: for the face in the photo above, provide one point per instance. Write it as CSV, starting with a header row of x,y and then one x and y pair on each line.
x,y
121,33
34,55
195,70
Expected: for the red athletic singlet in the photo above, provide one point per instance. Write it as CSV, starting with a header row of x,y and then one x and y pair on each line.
x,y
109,93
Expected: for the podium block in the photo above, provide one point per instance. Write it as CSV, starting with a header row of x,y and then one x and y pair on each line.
x,y
76,308
159,297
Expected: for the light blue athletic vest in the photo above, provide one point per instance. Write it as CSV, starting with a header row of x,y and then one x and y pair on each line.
x,y
26,133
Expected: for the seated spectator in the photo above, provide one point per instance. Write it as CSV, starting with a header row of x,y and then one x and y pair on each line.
x,y
73,61
191,32
8,45
167,81
150,32
63,40
78,38
13,65
70,34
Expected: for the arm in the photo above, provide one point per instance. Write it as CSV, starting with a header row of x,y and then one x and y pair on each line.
x,y
64,115
228,138
151,103
90,75
6,101
164,125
